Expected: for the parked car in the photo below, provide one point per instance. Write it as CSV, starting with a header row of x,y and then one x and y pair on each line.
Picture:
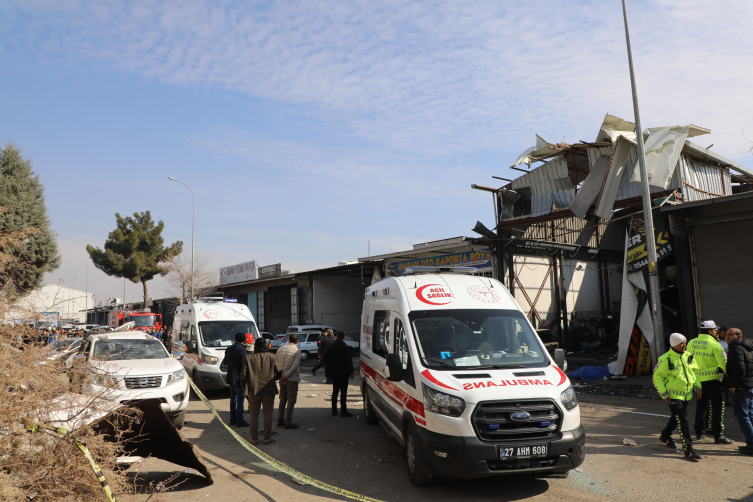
x,y
62,349
308,327
306,342
129,366
274,342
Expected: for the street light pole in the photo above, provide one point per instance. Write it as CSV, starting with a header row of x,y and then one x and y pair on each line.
x,y
648,219
193,225
86,298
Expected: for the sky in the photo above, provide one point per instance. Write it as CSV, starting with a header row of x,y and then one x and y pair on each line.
x,y
309,131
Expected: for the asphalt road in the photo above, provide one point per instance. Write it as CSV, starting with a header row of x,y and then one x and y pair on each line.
x,y
348,453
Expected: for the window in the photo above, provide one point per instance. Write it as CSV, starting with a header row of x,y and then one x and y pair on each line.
x,y
381,341
401,347
475,338
128,349
222,333
313,337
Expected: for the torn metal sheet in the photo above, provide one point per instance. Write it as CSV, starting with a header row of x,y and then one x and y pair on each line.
x,y
693,130
663,148
549,184
611,183
590,188
507,200
542,150
153,435
613,127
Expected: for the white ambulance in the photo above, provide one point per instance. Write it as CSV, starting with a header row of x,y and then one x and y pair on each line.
x,y
202,330
453,369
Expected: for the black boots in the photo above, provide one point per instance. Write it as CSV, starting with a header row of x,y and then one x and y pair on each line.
x,y
344,414
667,440
692,455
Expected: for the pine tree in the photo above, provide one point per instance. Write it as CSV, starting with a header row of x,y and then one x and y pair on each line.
x,y
23,212
135,250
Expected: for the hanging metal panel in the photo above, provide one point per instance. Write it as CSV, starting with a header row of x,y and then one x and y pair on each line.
x,y
702,182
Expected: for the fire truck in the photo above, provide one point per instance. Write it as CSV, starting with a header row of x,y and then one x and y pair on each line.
x,y
144,319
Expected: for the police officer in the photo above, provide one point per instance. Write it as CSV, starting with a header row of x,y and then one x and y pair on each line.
x,y
675,376
712,366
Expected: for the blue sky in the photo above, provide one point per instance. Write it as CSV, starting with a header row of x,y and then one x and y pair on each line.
x,y
307,129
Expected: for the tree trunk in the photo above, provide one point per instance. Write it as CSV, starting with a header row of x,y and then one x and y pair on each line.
x,y
146,306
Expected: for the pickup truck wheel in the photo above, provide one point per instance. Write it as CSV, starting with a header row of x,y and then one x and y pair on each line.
x,y
304,355
417,473
369,412
179,419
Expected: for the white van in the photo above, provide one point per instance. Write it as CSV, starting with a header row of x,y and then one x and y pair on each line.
x,y
202,330
457,374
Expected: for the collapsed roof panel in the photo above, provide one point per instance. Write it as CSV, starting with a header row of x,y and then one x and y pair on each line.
x,y
613,127
663,148
591,188
542,150
547,185
615,170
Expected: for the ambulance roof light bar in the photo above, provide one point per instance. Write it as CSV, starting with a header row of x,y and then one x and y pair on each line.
x,y
440,270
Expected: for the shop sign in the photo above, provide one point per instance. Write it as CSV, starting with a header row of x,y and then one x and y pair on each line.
x,y
637,255
270,271
239,273
479,259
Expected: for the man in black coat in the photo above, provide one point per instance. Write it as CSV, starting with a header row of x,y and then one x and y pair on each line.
x,y
338,365
235,358
740,380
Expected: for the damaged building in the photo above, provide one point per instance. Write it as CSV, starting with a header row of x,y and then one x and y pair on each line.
x,y
574,203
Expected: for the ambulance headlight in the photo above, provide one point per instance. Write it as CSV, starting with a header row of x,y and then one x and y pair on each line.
x,y
441,403
569,401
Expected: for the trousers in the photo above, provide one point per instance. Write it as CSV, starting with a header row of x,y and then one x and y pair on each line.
x,y
679,419
288,397
255,404
712,397
340,386
743,399
236,402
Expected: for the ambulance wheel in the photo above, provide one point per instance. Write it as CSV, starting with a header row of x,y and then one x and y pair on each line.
x,y
369,412
417,473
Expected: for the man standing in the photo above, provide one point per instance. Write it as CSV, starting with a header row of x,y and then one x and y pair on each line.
x,y
675,376
235,358
258,376
289,360
327,339
338,365
712,365
740,380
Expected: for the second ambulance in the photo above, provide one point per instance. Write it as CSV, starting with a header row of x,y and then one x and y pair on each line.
x,y
454,370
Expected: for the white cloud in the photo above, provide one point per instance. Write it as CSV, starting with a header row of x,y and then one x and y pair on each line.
x,y
432,77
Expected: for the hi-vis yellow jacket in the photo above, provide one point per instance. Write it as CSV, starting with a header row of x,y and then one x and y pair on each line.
x,y
675,375
709,355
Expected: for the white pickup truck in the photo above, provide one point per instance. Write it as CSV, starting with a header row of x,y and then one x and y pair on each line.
x,y
131,366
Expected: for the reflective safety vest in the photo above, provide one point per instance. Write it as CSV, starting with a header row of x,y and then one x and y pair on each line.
x,y
709,355
675,375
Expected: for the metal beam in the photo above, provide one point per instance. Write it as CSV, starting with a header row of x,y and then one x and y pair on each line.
x,y
719,219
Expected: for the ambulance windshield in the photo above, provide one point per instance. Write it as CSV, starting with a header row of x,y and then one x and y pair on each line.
x,y
476,338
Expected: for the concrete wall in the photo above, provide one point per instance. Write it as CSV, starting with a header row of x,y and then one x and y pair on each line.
x,y
338,301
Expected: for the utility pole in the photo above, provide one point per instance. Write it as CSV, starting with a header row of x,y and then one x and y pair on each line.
x,y
193,226
653,278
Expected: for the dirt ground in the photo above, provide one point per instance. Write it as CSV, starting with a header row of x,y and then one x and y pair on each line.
x,y
364,459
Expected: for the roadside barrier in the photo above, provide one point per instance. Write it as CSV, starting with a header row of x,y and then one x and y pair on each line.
x,y
276,463
82,446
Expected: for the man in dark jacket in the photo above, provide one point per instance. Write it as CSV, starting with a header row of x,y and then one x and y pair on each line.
x,y
235,358
325,341
740,380
258,376
338,365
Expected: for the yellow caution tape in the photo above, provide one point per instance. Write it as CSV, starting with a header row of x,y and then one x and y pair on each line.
x,y
97,472
276,463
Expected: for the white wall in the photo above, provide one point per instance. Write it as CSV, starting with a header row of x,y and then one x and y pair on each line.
x,y
582,286
58,301
338,301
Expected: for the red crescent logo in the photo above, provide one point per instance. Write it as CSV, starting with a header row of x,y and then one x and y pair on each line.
x,y
440,295
563,377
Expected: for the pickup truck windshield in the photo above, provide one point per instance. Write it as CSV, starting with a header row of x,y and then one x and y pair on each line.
x,y
474,338
222,333
125,349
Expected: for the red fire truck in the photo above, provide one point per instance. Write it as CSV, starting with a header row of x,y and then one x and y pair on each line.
x,y
144,319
